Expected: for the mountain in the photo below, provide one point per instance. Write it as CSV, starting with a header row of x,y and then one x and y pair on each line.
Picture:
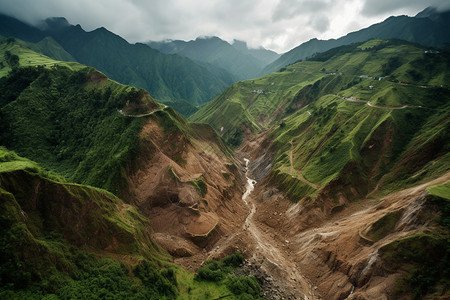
x,y
426,28
111,173
169,78
236,58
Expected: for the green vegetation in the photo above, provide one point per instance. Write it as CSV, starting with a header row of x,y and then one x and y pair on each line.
x,y
26,57
440,190
66,118
220,271
383,226
200,186
425,259
352,117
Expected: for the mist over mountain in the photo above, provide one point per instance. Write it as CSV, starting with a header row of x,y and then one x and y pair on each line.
x,y
426,28
169,78
236,58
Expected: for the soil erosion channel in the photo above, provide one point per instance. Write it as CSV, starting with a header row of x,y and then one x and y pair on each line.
x,y
266,247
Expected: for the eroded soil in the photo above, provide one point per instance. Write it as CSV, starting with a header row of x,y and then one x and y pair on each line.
x,y
296,253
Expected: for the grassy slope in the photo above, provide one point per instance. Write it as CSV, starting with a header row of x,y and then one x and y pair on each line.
x,y
345,143
66,118
66,240
29,58
441,190
253,103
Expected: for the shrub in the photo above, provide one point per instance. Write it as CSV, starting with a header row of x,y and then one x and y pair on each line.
x,y
243,285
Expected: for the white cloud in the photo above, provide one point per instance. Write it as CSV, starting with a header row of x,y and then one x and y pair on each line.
x,y
275,24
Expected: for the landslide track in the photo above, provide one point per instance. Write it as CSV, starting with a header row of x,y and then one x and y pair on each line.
x,y
295,252
331,259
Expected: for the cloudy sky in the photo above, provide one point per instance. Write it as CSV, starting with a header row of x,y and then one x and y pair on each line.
x,y
274,24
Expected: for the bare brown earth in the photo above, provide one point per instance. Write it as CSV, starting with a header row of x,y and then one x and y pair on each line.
x,y
330,256
296,253
184,221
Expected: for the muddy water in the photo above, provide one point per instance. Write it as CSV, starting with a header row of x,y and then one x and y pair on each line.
x,y
269,250
250,183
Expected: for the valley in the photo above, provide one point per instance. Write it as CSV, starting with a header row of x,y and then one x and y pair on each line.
x,y
328,179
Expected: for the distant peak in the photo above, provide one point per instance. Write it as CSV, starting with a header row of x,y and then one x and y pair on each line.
x,y
240,45
57,22
427,12
432,13
207,37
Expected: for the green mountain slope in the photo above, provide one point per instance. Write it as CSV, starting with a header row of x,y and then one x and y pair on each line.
x,y
337,128
427,28
56,237
49,47
237,59
68,129
64,240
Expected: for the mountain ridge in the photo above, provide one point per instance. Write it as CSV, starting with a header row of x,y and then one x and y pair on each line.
x,y
135,64
237,58
417,29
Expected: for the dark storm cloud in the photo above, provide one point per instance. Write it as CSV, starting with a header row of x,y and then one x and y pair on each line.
x,y
378,7
275,24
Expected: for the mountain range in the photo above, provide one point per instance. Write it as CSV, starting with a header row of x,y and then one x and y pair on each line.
x,y
426,28
169,78
328,179
236,58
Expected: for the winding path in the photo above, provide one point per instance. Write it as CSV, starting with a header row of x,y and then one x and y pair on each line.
x,y
353,99
142,115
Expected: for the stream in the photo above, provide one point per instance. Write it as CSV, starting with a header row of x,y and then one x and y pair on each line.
x,y
250,183
267,248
